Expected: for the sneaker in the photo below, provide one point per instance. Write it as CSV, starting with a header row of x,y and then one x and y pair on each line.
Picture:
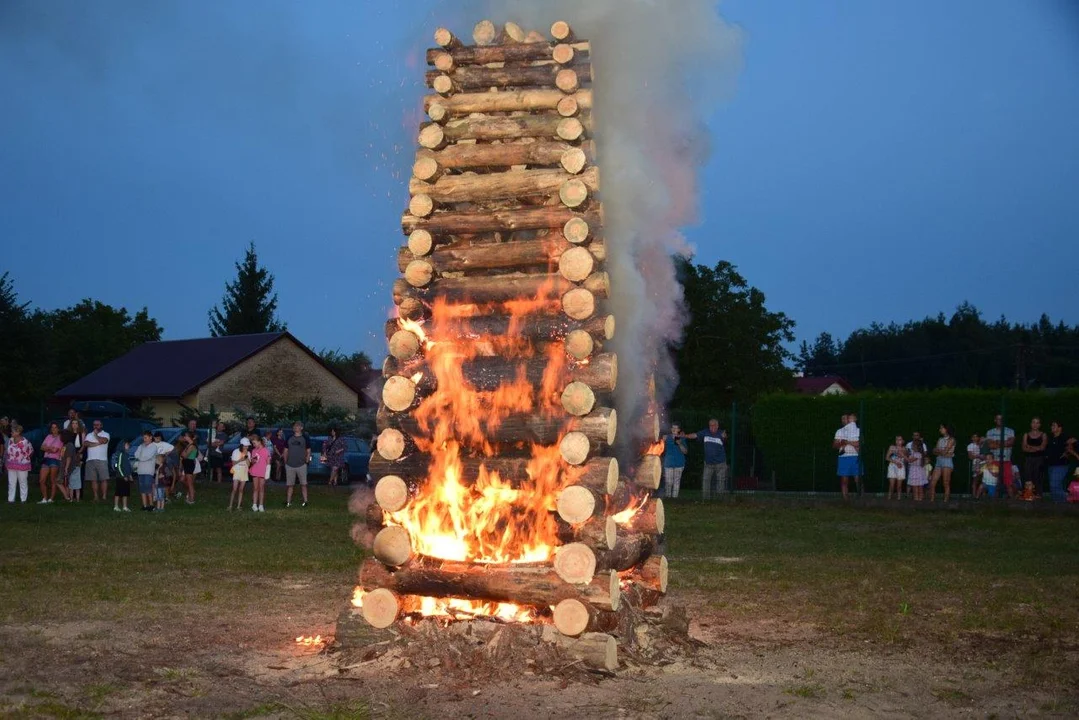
x,y
254,507
178,495
43,501
288,505
126,509
303,504
115,509
190,502
262,508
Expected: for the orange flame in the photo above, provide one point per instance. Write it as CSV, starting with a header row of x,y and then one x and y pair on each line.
x,y
655,448
308,640
625,517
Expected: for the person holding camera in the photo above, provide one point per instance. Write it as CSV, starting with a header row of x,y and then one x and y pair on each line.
x,y
674,460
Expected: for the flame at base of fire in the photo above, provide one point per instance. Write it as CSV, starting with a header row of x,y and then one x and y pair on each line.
x,y
457,608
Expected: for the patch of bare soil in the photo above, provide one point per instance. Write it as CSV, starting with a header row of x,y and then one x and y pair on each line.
x,y
210,663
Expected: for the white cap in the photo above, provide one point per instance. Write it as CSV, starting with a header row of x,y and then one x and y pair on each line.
x,y
245,441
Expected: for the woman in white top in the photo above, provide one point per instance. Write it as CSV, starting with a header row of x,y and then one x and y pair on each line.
x,y
945,452
897,468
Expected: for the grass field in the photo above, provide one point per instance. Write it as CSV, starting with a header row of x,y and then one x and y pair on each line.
x,y
181,613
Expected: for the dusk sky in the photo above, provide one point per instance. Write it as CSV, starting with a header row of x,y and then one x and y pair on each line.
x,y
878,161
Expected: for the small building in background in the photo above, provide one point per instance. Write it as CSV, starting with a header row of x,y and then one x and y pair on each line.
x,y
824,385
223,372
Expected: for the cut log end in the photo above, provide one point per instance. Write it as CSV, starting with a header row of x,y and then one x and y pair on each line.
x,y
391,444
661,517
568,106
578,399
404,345
575,563
608,327
443,85
612,480
562,53
433,137
426,168
612,426
576,264
570,129
512,32
576,230
484,33
399,393
420,242
580,345
391,493
579,303
422,205
649,472
393,546
567,80
444,38
561,31
573,160
381,608
411,308
572,193
571,617
443,62
597,650
574,447
654,572
437,112
576,504
419,273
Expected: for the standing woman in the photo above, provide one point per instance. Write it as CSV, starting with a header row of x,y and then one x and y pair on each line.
x,y
19,454
945,452
674,460
897,468
916,478
333,454
1035,445
51,448
189,453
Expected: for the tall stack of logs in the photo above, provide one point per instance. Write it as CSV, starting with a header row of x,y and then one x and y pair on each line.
x,y
505,205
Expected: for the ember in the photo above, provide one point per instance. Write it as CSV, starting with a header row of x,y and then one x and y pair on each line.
x,y
499,494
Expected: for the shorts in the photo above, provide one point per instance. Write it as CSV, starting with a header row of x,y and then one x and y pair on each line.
x,y
216,461
74,480
159,493
97,471
50,463
896,472
943,463
240,474
189,466
123,487
849,466
146,484
292,474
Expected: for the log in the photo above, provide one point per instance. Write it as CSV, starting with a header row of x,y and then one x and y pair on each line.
x,y
381,608
649,472
573,160
579,303
597,428
391,444
445,39
526,52
573,617
579,345
654,572
629,551
576,230
443,85
598,650
422,205
577,447
411,309
576,264
543,76
499,186
420,242
600,474
537,327
573,193
500,288
542,153
536,100
577,504
506,128
561,31
398,393
443,61
523,585
481,221
391,492
649,520
578,398
393,546
489,373
506,256
404,345
600,532
568,106
484,33
512,33
419,273
576,563
426,168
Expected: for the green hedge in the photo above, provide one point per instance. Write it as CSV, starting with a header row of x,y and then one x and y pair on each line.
x,y
794,432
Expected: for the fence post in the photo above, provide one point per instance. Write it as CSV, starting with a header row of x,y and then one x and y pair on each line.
x,y
732,443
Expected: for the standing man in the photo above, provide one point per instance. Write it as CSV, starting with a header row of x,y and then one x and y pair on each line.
x,y
715,459
297,456
674,461
998,438
251,428
96,443
215,453
847,441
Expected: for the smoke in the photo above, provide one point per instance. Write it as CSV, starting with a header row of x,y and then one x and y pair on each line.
x,y
660,69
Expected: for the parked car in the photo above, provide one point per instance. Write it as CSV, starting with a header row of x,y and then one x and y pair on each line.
x,y
357,458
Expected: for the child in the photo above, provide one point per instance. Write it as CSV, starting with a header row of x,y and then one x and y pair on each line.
x,y
146,464
974,453
121,465
896,468
916,475
69,465
241,459
260,471
165,476
1073,488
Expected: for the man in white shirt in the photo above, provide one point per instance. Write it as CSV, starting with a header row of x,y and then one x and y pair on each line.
x,y
994,437
848,441
96,443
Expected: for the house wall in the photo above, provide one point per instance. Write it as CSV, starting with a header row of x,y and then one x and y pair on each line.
x,y
168,409
280,373
834,389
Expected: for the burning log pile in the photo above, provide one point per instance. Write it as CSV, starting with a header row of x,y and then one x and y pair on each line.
x,y
498,494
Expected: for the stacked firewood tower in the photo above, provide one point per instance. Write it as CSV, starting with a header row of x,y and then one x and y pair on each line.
x,y
506,258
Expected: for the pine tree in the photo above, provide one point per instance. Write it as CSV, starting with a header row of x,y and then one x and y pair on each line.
x,y
249,304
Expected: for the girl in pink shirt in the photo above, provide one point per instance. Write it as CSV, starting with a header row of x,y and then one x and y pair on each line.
x,y
260,470
18,457
51,448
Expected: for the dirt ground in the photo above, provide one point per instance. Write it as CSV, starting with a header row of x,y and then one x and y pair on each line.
x,y
204,663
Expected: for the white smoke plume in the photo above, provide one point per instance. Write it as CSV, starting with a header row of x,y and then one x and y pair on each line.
x,y
660,68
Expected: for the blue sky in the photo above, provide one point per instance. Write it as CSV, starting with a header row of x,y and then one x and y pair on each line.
x,y
879,160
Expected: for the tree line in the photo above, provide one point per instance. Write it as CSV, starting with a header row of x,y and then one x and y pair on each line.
x,y
960,351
